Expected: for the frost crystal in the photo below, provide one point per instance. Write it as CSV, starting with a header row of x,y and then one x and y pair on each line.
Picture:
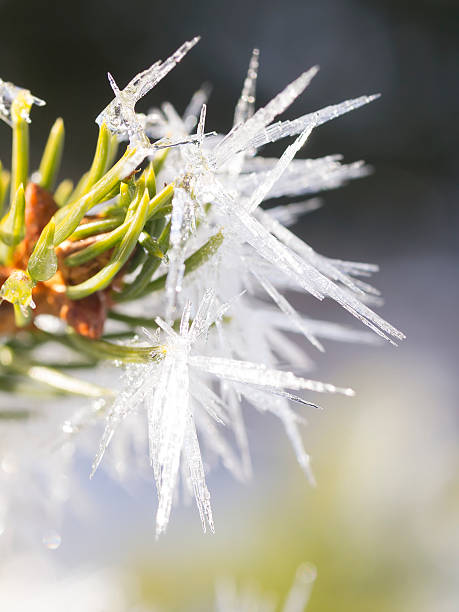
x,y
8,94
198,385
180,403
246,104
182,225
246,224
119,115
240,137
187,248
282,129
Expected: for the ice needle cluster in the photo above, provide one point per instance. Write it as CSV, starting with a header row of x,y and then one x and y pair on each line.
x,y
184,287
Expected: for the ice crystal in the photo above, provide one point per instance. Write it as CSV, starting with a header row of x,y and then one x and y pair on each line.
x,y
177,394
8,94
282,129
182,225
214,267
119,115
242,134
246,104
239,212
259,253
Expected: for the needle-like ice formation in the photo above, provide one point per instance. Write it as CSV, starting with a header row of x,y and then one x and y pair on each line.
x,y
8,94
176,394
206,239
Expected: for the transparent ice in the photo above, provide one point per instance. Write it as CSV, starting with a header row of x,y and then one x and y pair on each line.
x,y
224,332
8,93
120,116
177,394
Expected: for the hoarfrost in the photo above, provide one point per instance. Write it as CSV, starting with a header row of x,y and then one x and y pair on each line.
x,y
176,394
8,94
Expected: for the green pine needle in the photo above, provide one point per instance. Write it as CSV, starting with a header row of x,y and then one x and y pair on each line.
x,y
52,156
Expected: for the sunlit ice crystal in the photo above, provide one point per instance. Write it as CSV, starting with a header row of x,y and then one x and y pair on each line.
x,y
276,244
235,346
313,272
244,335
8,94
246,226
119,115
289,214
333,269
239,138
182,409
245,107
302,177
315,276
124,112
282,129
17,289
280,177
183,223
164,391
166,123
274,176
193,110
234,272
327,330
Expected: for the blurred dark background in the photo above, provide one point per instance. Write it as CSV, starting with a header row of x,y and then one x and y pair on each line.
x,y
408,51
384,520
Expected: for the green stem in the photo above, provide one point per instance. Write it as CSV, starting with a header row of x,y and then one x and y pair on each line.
x,y
132,320
12,225
68,217
98,226
50,376
21,319
102,349
193,262
159,159
43,260
20,154
137,287
150,180
4,184
155,207
52,155
14,415
104,277
101,157
112,151
114,352
63,192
